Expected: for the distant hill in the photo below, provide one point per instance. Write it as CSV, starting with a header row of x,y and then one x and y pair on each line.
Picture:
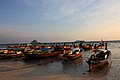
x,y
34,42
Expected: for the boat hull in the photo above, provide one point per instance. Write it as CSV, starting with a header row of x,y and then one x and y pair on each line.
x,y
93,66
71,57
40,56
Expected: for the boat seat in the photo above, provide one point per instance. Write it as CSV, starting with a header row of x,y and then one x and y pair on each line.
x,y
75,51
100,56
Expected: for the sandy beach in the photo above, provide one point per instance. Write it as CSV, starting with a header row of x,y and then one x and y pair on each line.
x,y
55,69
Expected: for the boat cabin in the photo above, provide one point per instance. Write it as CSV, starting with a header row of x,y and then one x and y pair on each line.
x,y
100,54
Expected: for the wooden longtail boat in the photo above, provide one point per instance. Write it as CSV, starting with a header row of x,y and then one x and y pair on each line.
x,y
71,54
87,46
99,59
42,53
11,53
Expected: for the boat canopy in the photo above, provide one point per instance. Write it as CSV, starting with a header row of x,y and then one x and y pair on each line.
x,y
44,49
103,50
76,49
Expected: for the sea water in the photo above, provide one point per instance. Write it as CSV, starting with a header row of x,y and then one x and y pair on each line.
x,y
56,69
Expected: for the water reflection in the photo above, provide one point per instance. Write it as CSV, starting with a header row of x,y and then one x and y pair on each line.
x,y
72,63
44,61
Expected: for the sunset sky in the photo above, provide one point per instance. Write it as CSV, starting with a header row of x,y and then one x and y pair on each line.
x,y
59,20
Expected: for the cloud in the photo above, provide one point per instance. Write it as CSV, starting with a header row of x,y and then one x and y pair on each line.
x,y
63,17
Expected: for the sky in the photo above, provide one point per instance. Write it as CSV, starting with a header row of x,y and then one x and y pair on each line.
x,y
59,20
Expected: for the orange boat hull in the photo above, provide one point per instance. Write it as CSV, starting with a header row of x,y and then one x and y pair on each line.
x,y
71,57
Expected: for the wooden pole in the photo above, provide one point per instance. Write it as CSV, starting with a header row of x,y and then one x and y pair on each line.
x,y
105,46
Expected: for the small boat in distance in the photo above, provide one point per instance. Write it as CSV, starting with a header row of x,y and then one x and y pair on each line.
x,y
99,58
